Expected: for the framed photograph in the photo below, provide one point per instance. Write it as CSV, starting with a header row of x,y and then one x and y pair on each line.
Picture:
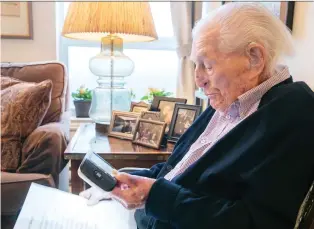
x,y
16,20
139,107
183,117
123,124
149,133
150,115
165,105
284,10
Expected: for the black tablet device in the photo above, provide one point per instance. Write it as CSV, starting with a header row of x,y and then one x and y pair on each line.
x,y
95,171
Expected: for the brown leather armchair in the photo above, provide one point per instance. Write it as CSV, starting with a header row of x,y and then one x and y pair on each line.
x,y
42,153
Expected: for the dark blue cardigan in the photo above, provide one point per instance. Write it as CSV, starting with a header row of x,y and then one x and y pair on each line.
x,y
255,177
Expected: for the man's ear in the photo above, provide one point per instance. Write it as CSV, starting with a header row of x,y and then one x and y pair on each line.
x,y
256,55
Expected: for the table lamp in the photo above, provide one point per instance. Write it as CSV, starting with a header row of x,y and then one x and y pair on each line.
x,y
110,23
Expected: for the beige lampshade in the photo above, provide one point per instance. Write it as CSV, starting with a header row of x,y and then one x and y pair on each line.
x,y
132,21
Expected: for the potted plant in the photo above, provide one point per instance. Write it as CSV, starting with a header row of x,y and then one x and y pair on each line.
x,y
82,99
154,92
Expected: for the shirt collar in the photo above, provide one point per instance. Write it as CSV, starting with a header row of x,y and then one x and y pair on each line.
x,y
245,101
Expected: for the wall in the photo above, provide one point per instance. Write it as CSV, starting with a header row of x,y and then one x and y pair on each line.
x,y
43,45
301,65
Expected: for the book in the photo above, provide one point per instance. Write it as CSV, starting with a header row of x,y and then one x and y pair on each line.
x,y
50,208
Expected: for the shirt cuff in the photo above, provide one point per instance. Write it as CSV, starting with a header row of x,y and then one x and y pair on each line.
x,y
161,199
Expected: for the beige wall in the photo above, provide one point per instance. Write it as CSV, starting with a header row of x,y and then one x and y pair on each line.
x,y
302,65
43,45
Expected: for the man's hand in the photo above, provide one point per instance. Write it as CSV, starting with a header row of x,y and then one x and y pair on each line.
x,y
132,191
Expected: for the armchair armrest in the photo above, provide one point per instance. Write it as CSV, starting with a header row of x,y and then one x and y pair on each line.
x,y
42,151
14,188
65,122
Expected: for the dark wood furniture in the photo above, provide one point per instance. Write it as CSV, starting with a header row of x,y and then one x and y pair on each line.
x,y
119,153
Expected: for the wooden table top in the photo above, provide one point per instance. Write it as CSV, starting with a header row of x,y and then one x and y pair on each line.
x,y
87,139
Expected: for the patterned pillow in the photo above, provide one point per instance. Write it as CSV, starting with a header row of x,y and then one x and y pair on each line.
x,y
23,107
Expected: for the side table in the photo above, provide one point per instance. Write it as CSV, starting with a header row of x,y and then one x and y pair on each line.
x,y
119,153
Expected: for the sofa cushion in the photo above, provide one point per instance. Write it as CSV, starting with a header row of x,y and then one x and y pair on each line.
x,y
43,150
23,107
38,72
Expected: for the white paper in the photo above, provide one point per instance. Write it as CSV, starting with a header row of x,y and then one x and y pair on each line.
x,y
49,208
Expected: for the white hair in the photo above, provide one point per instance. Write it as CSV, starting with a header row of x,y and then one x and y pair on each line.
x,y
239,24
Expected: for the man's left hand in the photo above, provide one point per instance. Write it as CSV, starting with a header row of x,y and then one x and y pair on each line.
x,y
132,191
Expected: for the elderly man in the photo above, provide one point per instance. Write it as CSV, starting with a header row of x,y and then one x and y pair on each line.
x,y
247,161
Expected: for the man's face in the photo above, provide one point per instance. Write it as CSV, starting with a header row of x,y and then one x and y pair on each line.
x,y
223,77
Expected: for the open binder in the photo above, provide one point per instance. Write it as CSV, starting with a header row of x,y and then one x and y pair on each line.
x,y
49,208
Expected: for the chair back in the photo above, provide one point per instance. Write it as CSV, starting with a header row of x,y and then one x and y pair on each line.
x,y
305,219
40,71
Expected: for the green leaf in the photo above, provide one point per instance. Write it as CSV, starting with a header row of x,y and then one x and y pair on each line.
x,y
87,95
144,97
168,94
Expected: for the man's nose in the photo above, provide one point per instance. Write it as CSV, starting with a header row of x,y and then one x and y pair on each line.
x,y
200,77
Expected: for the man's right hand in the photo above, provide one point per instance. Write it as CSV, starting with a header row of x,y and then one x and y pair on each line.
x,y
94,195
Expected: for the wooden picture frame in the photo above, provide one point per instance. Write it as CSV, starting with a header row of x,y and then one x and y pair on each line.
x,y
181,121
150,115
149,133
123,124
286,11
16,20
165,105
138,107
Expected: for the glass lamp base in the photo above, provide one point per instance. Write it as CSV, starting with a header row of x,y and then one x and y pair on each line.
x,y
104,102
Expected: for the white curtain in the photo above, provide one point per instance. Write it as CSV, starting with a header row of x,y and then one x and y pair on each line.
x,y
182,13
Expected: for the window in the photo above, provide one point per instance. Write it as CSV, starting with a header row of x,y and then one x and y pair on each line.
x,y
152,69
155,62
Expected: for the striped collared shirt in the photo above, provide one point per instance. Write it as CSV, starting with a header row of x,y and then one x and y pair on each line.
x,y
221,123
